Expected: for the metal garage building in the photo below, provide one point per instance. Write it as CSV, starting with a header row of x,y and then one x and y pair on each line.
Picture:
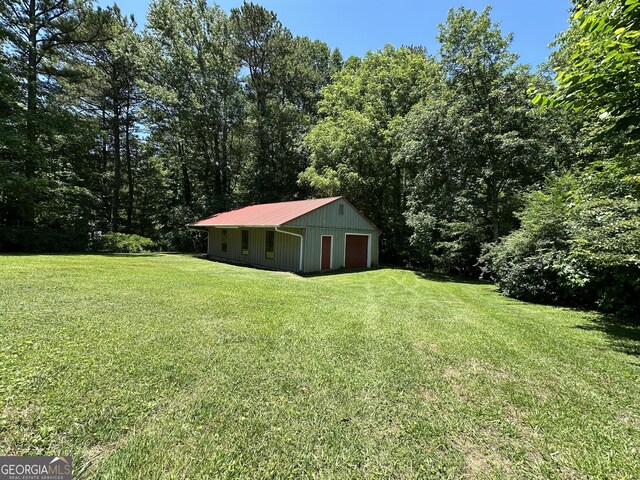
x,y
301,236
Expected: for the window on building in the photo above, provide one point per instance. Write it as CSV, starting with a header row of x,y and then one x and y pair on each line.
x,y
341,209
269,243
245,242
223,236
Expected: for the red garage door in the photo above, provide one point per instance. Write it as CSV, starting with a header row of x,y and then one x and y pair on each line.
x,y
356,247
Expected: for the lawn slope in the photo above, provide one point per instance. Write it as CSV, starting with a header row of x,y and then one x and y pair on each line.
x,y
169,366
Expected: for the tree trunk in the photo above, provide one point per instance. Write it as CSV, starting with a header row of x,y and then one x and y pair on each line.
x,y
209,189
217,180
263,184
186,182
117,175
127,146
224,167
32,106
32,80
495,228
106,211
493,213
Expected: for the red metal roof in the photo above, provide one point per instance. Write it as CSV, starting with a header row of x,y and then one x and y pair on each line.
x,y
266,214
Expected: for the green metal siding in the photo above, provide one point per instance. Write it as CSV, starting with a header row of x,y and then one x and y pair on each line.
x,y
313,246
325,220
286,248
329,216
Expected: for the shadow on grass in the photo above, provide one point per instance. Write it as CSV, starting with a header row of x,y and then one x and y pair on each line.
x,y
85,254
141,254
435,277
340,271
622,334
264,268
207,258
438,277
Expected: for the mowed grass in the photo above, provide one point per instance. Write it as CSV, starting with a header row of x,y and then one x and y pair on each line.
x,y
169,366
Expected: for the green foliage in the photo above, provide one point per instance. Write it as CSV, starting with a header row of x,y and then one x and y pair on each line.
x,y
175,236
193,100
329,182
284,77
470,151
598,69
38,40
525,264
103,129
351,145
121,243
120,131
579,242
26,239
604,256
55,178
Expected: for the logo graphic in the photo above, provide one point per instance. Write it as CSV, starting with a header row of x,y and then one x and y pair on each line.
x,y
35,468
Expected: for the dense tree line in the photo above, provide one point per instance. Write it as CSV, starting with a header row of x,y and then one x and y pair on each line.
x,y
107,128
579,239
110,128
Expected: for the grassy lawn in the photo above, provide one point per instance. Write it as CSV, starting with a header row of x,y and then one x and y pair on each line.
x,y
157,366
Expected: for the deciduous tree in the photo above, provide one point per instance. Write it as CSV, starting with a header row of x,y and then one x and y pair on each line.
x,y
352,145
476,148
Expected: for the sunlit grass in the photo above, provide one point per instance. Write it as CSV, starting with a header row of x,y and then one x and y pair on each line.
x,y
172,366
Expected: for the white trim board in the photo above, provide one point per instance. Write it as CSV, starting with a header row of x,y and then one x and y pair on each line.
x,y
330,252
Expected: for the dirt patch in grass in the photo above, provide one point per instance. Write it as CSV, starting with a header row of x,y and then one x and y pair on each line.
x,y
478,367
515,415
422,346
629,419
570,474
93,455
527,437
454,377
451,372
481,461
427,395
472,376
17,428
97,454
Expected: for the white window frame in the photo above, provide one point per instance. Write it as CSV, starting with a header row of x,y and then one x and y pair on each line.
x,y
330,252
344,260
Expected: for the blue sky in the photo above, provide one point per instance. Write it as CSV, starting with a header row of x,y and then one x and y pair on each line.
x,y
355,26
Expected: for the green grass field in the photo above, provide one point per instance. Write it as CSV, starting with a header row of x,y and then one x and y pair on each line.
x,y
169,366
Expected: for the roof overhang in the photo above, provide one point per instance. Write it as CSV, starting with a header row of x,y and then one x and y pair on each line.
x,y
266,215
283,225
